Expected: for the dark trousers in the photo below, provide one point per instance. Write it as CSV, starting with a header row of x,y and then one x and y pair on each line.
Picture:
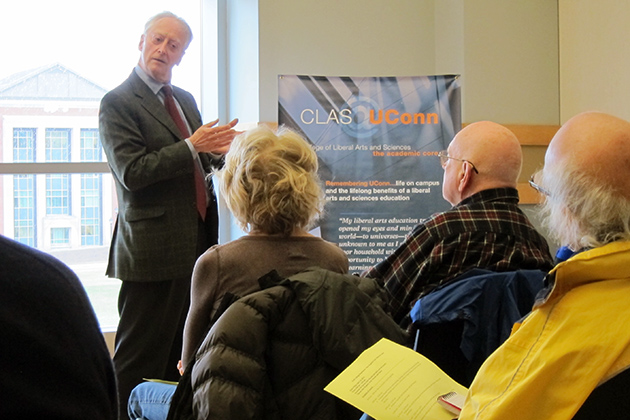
x,y
151,327
149,336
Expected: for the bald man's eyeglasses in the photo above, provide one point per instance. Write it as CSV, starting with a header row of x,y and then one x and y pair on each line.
x,y
444,157
538,188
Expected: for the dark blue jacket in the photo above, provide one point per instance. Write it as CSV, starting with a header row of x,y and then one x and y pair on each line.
x,y
489,304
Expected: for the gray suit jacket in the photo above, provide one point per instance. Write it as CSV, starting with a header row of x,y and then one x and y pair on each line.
x,y
155,236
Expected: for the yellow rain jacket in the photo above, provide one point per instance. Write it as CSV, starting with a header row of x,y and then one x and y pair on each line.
x,y
573,340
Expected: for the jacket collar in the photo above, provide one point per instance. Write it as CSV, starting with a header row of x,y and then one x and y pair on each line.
x,y
608,262
153,84
493,194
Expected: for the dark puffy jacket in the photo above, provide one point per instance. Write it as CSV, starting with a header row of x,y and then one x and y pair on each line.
x,y
271,353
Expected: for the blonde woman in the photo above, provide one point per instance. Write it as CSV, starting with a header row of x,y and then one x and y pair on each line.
x,y
270,184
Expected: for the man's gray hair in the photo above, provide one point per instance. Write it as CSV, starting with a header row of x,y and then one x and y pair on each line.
x,y
581,212
163,15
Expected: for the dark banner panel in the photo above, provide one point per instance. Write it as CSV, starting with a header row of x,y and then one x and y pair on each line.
x,y
377,139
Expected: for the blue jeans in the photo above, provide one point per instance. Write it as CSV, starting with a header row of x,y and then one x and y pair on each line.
x,y
150,401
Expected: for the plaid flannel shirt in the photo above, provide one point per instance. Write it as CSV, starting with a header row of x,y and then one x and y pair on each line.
x,y
486,230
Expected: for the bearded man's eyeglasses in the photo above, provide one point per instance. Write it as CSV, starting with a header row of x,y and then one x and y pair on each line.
x,y
538,188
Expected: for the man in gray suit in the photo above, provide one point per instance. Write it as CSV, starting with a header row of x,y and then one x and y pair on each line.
x,y
159,154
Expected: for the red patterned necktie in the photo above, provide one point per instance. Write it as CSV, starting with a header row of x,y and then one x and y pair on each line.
x,y
200,184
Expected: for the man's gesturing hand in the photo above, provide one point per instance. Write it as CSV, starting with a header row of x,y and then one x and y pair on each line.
x,y
211,139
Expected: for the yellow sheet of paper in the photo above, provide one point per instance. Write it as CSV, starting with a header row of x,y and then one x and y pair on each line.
x,y
392,382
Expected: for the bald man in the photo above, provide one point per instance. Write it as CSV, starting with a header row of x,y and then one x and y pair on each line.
x,y
484,228
570,358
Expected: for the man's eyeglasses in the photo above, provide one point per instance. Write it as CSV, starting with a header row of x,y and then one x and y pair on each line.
x,y
538,188
444,157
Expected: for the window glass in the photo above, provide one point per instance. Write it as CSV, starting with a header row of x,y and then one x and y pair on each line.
x,y
91,206
24,209
24,144
70,53
58,194
60,237
57,145
91,150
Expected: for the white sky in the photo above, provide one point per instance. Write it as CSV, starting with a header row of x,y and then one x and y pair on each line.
x,y
96,39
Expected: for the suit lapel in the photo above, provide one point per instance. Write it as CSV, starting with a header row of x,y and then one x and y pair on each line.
x,y
189,108
156,108
152,104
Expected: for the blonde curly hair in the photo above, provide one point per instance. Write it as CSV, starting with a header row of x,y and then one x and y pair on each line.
x,y
270,182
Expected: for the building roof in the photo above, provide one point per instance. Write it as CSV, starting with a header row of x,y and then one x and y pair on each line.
x,y
52,82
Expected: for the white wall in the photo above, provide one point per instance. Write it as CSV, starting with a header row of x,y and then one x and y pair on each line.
x,y
594,57
507,54
521,61
342,38
511,61
506,51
